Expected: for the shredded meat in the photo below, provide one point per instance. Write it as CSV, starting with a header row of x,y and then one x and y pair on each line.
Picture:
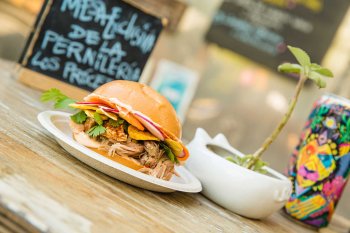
x,y
163,170
152,154
115,133
131,149
105,144
89,123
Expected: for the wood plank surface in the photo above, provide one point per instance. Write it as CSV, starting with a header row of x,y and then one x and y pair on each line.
x,y
44,189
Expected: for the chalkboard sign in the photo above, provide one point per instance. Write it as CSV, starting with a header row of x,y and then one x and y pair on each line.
x,y
261,29
87,43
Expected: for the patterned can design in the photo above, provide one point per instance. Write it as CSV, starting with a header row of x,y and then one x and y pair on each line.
x,y
320,164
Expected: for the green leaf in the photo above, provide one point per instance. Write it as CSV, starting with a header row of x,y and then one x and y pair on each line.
x,y
120,121
317,78
52,94
116,123
113,123
290,68
231,159
315,66
79,117
55,95
321,83
96,131
259,165
125,126
98,118
241,161
325,72
302,57
63,103
321,70
169,153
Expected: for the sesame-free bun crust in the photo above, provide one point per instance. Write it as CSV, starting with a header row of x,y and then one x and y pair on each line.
x,y
144,99
129,162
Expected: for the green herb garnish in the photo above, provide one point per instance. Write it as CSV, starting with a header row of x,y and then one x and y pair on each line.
x,y
64,103
79,117
52,94
169,153
96,131
116,123
126,126
61,101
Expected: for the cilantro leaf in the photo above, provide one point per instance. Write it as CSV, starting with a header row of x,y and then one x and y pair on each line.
x,y
302,57
125,126
169,153
98,118
64,103
116,123
52,94
79,117
113,123
61,101
96,131
120,121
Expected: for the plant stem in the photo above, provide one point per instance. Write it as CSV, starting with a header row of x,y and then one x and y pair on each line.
x,y
278,129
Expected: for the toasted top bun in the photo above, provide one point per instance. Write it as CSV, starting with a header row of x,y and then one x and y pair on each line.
x,y
144,99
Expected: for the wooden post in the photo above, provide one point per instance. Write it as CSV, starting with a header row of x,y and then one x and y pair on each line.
x,y
172,10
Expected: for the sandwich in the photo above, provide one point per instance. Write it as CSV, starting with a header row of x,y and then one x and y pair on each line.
x,y
132,124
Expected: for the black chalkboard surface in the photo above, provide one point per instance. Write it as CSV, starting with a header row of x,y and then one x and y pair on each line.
x,y
261,29
86,43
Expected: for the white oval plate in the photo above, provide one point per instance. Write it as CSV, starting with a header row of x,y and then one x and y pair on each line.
x,y
57,123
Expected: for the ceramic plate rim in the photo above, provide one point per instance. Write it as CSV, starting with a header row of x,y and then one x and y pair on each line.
x,y
193,185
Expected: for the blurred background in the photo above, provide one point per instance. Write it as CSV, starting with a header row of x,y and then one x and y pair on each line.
x,y
237,91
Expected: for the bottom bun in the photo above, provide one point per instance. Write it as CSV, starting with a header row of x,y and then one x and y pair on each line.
x,y
129,162
132,163
83,139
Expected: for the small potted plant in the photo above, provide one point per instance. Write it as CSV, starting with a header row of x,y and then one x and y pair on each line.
x,y
244,183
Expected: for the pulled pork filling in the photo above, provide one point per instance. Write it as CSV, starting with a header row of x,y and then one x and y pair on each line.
x,y
116,142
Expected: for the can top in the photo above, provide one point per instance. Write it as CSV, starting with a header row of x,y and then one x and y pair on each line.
x,y
336,99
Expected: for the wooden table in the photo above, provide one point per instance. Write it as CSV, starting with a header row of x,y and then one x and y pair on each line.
x,y
44,189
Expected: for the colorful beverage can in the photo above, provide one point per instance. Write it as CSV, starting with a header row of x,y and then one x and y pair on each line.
x,y
320,164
